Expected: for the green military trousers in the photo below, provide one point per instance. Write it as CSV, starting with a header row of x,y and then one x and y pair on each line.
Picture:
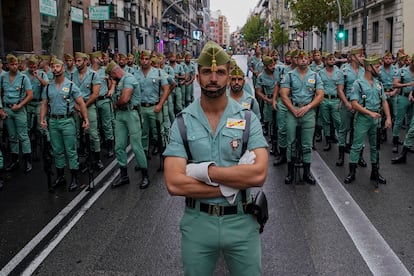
x,y
33,113
281,124
308,128
327,109
95,142
106,118
16,123
345,125
63,140
149,125
189,93
128,123
364,125
204,236
404,107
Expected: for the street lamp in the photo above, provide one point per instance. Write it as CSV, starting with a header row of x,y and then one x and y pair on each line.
x,y
131,7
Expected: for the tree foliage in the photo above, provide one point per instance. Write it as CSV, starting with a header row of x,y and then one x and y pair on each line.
x,y
254,29
317,13
280,36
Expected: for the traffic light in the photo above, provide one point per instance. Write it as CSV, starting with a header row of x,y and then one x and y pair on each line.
x,y
340,34
229,48
157,39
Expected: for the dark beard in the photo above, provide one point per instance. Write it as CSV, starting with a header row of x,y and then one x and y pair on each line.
x,y
212,94
59,73
236,88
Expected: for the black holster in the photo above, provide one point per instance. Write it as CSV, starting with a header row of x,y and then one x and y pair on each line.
x,y
258,208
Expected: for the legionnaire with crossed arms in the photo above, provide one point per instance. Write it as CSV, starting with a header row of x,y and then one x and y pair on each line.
x,y
301,91
367,98
213,223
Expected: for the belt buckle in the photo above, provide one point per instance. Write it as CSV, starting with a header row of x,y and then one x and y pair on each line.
x,y
329,96
216,210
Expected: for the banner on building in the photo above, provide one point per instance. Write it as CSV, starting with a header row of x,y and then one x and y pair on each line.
x,y
48,7
99,12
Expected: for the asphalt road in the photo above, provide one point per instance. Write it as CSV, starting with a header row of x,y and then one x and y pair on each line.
x,y
327,229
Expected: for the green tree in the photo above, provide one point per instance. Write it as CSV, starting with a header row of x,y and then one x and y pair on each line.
x,y
317,13
280,36
254,29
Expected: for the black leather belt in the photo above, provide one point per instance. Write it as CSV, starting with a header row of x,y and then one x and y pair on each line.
x,y
212,209
36,100
102,98
59,116
406,94
9,105
330,96
269,96
300,104
148,104
388,90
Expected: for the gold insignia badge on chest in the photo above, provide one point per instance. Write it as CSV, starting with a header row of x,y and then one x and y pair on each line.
x,y
235,144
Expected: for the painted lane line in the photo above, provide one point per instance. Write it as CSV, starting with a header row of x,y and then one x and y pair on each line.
x,y
375,251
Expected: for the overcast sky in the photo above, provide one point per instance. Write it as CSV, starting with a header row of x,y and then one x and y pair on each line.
x,y
236,11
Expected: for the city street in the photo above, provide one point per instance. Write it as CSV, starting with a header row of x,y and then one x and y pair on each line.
x,y
327,229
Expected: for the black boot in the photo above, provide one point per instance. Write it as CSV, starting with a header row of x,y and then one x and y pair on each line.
x,y
1,179
14,164
402,157
124,179
265,128
281,158
110,148
307,176
327,147
274,150
361,161
74,184
97,164
28,162
60,178
318,133
351,175
291,171
145,180
375,175
340,161
395,140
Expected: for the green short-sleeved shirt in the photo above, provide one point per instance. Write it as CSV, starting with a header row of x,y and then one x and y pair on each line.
x,y
15,92
104,81
387,78
302,91
169,73
268,82
350,77
372,101
330,83
90,79
406,77
36,85
223,147
59,98
151,85
129,81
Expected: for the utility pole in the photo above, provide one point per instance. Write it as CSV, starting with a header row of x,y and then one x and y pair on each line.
x,y
62,23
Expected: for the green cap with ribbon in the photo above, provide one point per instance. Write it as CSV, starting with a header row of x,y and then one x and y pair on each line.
x,y
267,60
110,66
213,55
237,71
96,54
372,60
11,58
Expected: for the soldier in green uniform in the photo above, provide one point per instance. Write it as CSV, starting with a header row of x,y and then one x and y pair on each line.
x,y
281,110
367,98
3,116
38,79
128,123
333,80
351,71
256,65
57,114
301,91
316,65
104,102
190,70
170,74
404,81
179,79
238,93
44,65
89,83
69,66
215,142
17,93
266,85
154,92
